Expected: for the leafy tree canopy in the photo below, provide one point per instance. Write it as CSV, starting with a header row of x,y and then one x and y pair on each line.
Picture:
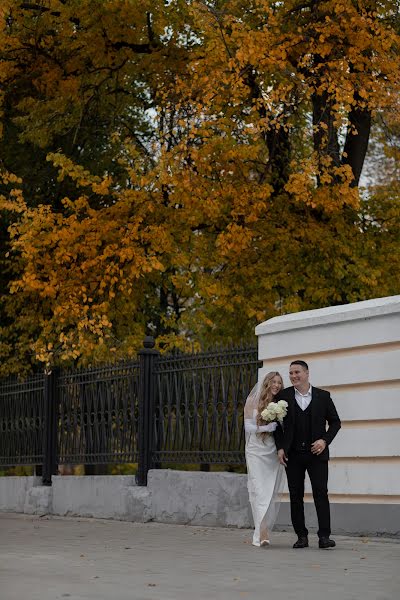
x,y
190,169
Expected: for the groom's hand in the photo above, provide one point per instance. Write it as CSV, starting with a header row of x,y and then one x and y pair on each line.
x,y
282,457
318,446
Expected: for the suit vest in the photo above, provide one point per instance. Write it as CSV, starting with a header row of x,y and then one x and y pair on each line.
x,y
302,438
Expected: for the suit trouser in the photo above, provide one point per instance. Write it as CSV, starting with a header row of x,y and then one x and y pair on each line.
x,y
317,470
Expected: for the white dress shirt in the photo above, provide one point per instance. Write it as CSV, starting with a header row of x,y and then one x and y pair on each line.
x,y
303,400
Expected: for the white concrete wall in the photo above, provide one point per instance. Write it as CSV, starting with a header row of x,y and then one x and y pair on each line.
x,y
13,491
91,496
354,352
182,497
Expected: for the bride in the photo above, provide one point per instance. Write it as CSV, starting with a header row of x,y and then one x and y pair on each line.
x,y
264,473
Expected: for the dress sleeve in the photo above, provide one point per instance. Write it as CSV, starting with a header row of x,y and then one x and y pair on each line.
x,y
250,426
250,409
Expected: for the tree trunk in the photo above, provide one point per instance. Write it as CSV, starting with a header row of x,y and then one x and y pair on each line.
x,y
325,135
357,138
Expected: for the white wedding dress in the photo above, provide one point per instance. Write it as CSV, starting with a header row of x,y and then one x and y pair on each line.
x,y
264,473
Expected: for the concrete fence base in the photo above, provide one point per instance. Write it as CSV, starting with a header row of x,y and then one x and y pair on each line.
x,y
181,497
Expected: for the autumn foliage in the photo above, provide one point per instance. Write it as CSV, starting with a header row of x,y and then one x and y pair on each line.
x,y
191,168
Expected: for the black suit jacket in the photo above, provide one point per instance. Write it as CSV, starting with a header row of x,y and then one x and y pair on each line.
x,y
323,411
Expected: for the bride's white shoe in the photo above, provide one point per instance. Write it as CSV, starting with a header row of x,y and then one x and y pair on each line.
x,y
261,544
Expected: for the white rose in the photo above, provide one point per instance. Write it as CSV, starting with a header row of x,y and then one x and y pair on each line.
x,y
265,414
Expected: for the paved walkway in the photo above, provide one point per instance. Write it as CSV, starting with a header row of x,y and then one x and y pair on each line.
x,y
51,558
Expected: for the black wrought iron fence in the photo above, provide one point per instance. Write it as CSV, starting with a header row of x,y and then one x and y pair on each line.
x,y
160,409
198,416
22,421
98,415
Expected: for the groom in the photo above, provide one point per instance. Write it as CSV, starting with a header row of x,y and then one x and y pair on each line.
x,y
302,444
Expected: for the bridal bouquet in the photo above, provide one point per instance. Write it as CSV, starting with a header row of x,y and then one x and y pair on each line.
x,y
275,411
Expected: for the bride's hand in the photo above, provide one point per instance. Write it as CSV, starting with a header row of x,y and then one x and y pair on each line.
x,y
271,427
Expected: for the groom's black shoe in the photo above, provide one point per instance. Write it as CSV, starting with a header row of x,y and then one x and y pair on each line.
x,y
302,542
325,542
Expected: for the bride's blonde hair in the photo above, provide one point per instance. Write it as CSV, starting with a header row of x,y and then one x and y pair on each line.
x,y
266,394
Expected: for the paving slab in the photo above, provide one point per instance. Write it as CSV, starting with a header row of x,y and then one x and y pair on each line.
x,y
51,558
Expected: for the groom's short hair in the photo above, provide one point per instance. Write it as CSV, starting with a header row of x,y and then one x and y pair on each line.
x,y
302,363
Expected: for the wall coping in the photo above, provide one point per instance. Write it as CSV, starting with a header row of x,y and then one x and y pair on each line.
x,y
331,314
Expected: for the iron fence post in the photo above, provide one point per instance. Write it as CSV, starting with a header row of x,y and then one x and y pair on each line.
x,y
50,427
147,358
